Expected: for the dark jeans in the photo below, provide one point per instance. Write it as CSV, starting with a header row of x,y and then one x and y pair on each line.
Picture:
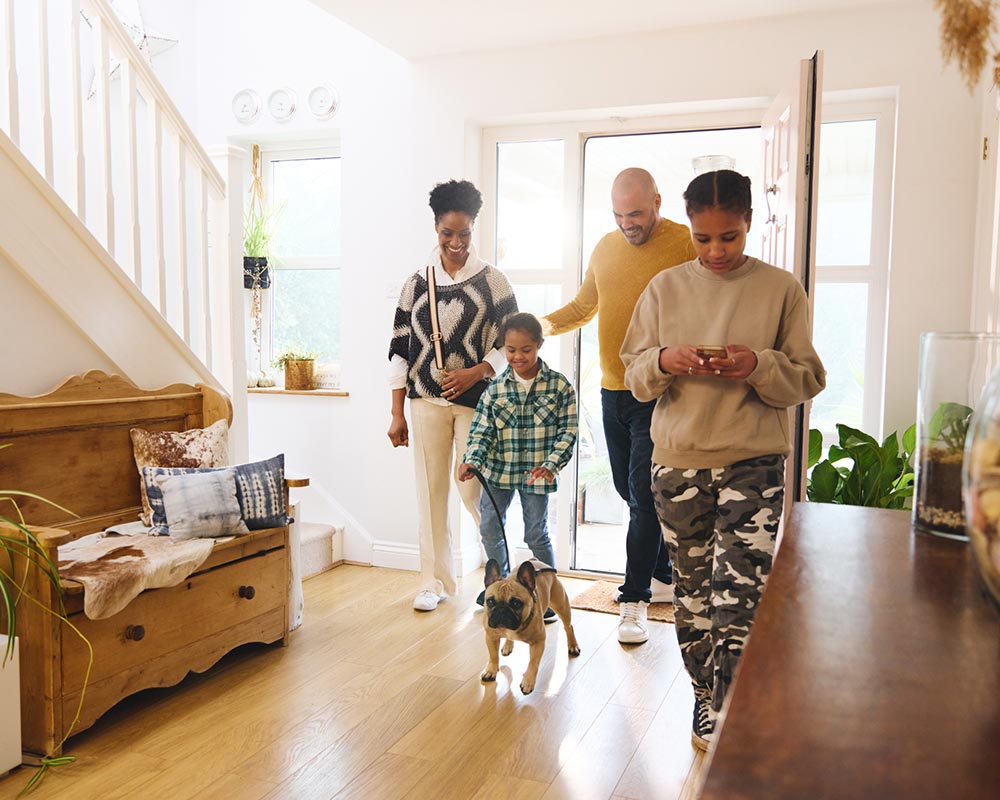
x,y
630,449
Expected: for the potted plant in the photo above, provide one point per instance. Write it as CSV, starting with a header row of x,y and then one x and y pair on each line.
x,y
258,231
861,472
939,504
23,562
300,368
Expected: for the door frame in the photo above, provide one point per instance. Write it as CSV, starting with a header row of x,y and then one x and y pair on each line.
x,y
574,135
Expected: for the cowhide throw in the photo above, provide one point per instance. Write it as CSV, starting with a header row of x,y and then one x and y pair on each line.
x,y
115,569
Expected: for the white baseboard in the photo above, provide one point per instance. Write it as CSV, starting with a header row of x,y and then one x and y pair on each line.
x,y
394,555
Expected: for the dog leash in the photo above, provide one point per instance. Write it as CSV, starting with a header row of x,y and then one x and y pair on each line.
x,y
503,532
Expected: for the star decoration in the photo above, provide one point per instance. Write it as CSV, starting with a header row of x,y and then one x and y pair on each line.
x,y
150,43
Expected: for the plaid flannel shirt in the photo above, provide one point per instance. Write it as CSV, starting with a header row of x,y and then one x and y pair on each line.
x,y
511,433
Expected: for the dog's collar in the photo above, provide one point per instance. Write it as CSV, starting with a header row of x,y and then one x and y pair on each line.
x,y
534,605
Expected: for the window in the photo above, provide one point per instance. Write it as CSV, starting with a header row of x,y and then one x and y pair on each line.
x,y
301,311
852,257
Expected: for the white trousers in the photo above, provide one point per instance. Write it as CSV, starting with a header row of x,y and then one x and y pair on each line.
x,y
439,436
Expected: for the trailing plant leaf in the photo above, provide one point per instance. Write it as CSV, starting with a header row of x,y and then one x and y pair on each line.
x,y
815,447
875,474
23,547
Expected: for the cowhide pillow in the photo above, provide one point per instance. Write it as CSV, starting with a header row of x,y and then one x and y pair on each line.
x,y
198,447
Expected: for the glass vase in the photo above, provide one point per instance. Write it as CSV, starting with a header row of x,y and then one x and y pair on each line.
x,y
954,369
981,485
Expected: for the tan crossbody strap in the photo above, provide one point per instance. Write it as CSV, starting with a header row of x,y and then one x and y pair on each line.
x,y
435,328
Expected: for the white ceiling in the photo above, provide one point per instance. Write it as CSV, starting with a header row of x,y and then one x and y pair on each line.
x,y
422,28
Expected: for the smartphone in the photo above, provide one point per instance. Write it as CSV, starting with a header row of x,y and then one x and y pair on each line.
x,y
707,351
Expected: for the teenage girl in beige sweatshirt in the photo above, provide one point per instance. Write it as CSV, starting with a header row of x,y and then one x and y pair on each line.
x,y
720,427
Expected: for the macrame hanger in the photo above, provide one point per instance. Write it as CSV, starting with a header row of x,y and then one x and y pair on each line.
x,y
256,184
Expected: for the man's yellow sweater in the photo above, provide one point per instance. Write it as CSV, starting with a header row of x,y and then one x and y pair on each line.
x,y
617,274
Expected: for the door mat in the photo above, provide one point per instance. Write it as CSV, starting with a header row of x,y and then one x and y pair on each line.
x,y
601,597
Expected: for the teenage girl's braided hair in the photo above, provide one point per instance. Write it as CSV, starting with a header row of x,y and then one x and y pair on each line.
x,y
723,189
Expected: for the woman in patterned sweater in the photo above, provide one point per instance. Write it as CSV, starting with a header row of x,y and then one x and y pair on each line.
x,y
473,300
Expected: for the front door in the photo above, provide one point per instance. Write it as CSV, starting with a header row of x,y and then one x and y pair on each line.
x,y
790,137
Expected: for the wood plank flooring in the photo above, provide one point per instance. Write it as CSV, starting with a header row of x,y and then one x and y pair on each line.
x,y
374,700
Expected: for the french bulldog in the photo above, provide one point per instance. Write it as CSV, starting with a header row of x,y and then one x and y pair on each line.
x,y
513,609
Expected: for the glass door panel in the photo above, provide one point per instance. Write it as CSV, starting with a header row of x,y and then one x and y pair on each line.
x,y
602,515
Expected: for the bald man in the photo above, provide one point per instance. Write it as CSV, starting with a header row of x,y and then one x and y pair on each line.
x,y
622,263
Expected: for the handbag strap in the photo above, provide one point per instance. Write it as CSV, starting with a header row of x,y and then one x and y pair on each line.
x,y
435,328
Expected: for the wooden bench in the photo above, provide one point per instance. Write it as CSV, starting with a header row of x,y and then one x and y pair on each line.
x,y
72,446
872,670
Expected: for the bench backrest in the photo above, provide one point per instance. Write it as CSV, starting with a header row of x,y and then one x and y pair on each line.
x,y
72,445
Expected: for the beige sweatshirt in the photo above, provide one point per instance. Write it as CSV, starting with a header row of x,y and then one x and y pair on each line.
x,y
699,421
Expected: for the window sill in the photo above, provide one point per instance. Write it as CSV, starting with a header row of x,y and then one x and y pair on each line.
x,y
315,392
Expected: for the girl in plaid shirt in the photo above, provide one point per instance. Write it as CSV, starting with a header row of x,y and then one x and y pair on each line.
x,y
522,434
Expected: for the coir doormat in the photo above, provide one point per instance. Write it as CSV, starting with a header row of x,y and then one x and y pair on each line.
x,y
601,597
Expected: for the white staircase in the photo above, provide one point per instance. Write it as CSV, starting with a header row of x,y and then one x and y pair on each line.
x,y
145,197
322,547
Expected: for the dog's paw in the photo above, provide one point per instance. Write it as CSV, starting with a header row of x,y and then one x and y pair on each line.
x,y
574,650
489,674
508,647
527,686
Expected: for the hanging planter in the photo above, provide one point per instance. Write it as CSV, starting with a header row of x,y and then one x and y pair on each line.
x,y
256,274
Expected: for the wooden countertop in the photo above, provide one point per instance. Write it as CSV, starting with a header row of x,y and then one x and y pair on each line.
x,y
872,671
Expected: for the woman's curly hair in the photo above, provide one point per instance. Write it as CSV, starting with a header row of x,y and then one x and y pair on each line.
x,y
460,196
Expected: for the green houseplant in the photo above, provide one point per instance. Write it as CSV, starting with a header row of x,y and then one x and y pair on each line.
x,y
258,233
300,368
859,471
21,553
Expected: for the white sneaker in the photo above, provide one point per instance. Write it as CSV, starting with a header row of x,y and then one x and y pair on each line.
x,y
662,592
632,623
426,600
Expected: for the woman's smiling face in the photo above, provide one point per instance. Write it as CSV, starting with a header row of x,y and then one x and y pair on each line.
x,y
719,237
454,230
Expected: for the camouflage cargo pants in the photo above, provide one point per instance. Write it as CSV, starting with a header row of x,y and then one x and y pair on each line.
x,y
720,526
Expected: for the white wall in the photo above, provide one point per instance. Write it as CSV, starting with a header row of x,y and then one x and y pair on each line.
x,y
407,126
937,130
41,347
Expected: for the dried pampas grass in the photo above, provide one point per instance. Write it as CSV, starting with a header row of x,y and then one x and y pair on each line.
x,y
967,37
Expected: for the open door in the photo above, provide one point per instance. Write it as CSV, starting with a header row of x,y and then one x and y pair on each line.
x,y
790,133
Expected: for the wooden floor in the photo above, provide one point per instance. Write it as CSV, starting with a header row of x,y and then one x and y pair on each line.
x,y
374,700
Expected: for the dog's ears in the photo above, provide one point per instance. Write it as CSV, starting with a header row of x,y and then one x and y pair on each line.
x,y
492,572
526,576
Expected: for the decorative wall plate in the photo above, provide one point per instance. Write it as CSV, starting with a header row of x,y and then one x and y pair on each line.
x,y
281,104
246,106
323,101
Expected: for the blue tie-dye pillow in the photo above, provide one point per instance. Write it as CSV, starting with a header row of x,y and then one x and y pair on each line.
x,y
201,505
259,488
